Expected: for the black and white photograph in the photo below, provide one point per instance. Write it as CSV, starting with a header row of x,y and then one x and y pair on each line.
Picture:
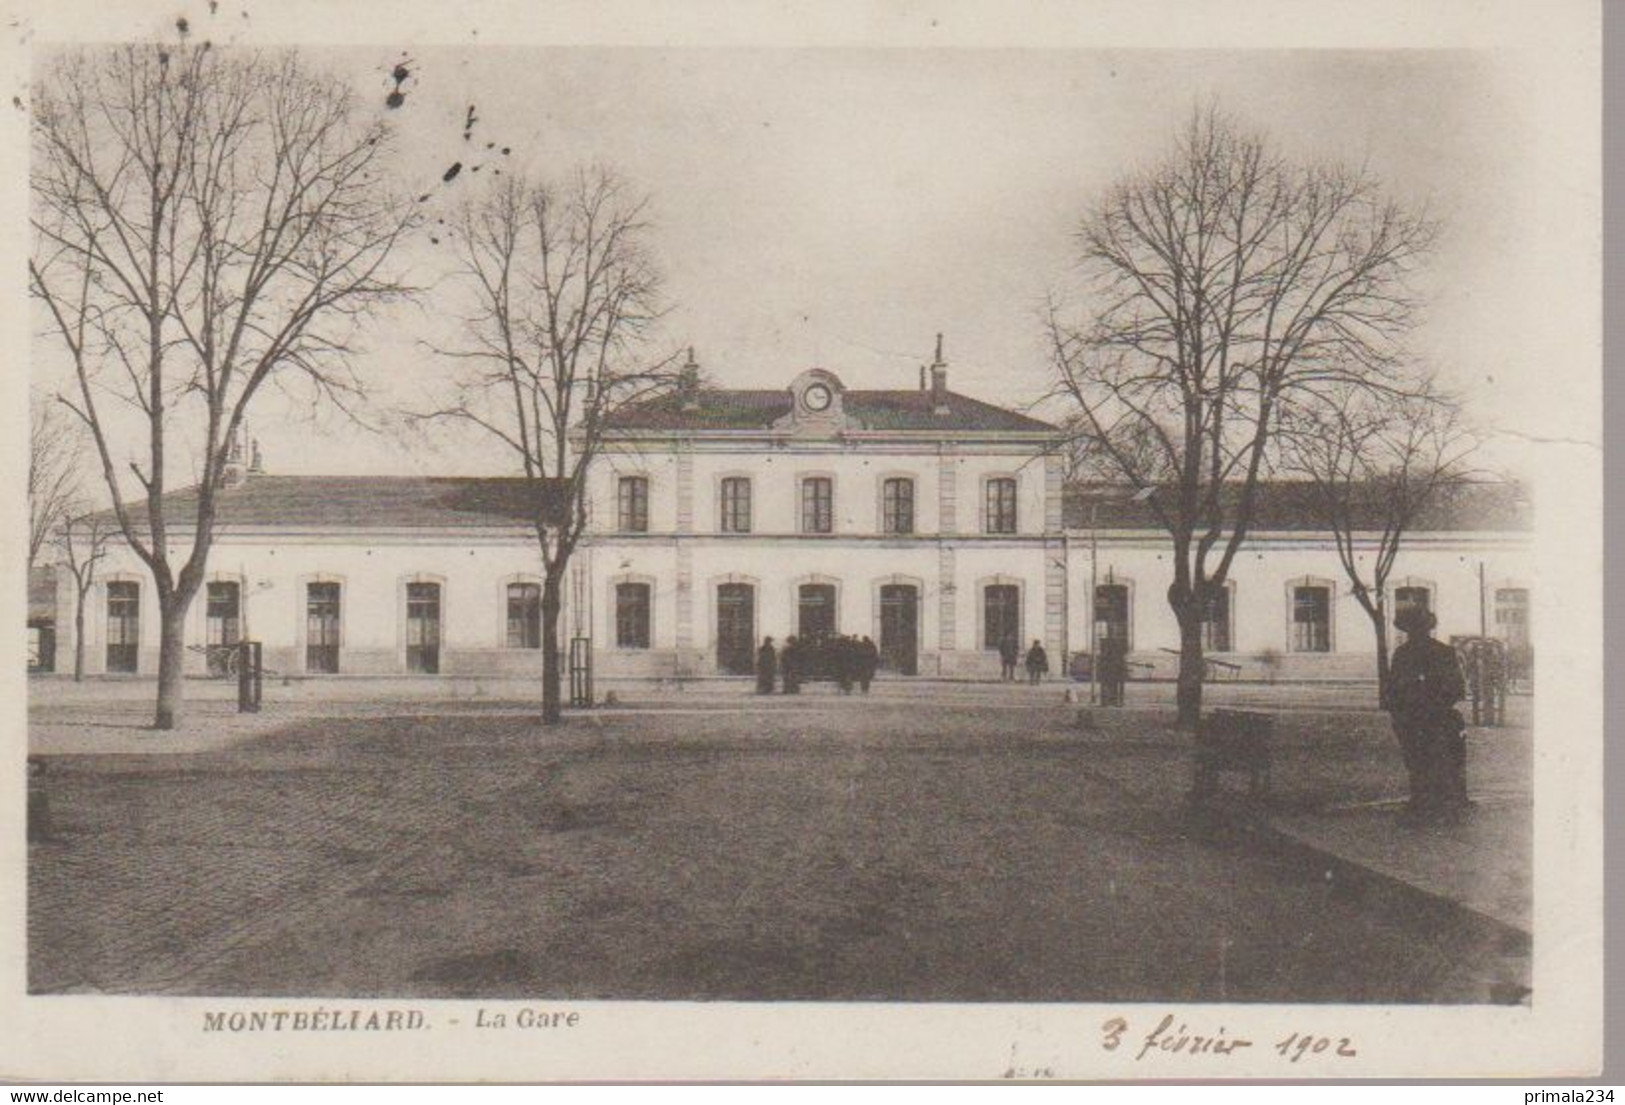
x,y
692,543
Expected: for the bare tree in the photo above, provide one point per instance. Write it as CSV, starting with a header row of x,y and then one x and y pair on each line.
x,y
54,457
1375,466
565,296
205,222
1227,287
83,542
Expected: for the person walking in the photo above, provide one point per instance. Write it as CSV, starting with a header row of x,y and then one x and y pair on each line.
x,y
1037,663
767,666
1009,653
1424,684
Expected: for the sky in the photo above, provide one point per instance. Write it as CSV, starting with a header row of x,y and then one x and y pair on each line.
x,y
840,207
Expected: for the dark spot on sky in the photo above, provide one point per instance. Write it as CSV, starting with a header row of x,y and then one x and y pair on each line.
x,y
451,174
399,75
490,145
434,240
475,169
214,6
468,123
424,198
182,26
506,151
17,102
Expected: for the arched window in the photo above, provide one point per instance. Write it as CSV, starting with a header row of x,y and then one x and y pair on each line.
x,y
1001,615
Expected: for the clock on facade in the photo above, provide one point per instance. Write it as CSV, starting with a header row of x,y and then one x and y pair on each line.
x,y
816,397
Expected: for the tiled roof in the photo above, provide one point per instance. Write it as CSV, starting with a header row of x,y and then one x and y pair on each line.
x,y
363,502
758,409
1288,505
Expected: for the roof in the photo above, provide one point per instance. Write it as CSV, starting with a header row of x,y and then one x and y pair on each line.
x,y
759,409
1289,505
364,502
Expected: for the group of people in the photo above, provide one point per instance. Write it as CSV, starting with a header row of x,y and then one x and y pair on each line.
x,y
1010,656
850,661
1424,685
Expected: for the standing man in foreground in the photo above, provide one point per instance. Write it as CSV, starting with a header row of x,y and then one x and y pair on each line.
x,y
1425,685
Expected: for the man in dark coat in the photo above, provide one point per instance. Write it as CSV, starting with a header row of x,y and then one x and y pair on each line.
x,y
1009,653
868,663
844,653
792,666
1113,671
767,666
1037,663
1425,683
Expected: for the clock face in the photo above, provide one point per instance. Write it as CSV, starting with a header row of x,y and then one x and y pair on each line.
x,y
816,397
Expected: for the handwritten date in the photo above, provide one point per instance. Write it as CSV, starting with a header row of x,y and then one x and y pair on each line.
x,y
1177,1039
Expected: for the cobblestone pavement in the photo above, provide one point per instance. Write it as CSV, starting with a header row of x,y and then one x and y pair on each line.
x,y
824,849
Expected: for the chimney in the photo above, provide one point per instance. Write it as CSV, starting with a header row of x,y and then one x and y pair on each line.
x,y
256,462
232,473
688,382
939,382
922,378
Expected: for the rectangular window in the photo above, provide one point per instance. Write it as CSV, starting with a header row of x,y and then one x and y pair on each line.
x,y
1408,598
817,505
897,505
322,628
1001,505
1216,622
123,625
1111,612
1311,619
1001,615
631,615
735,505
524,615
634,504
1512,616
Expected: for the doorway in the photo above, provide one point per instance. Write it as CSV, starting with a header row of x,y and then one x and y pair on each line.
x,y
223,628
900,628
423,628
816,611
736,628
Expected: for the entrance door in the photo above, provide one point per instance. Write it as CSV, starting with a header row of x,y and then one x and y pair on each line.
x,y
899,628
423,628
816,614
736,628
223,628
123,626
322,628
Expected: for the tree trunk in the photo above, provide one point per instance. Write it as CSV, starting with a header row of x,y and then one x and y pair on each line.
x,y
552,708
1190,684
1189,695
79,639
171,658
1380,623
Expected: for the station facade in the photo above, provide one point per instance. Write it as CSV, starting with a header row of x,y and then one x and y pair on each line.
x,y
934,523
